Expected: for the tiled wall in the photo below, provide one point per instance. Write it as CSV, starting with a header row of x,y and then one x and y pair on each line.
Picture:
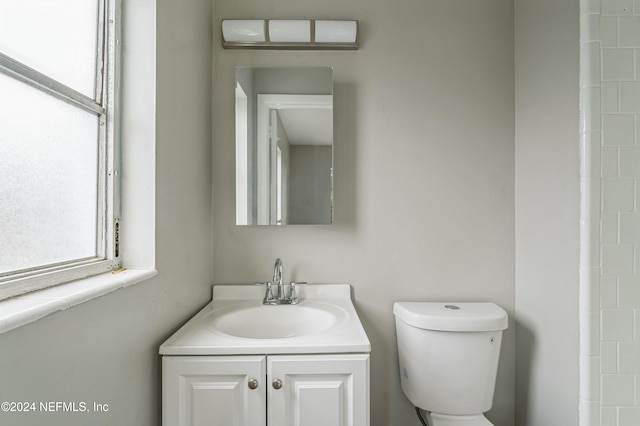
x,y
610,213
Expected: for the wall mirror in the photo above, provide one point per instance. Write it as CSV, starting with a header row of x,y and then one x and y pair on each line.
x,y
284,146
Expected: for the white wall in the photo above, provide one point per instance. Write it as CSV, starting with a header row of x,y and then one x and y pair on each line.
x,y
105,350
424,170
547,211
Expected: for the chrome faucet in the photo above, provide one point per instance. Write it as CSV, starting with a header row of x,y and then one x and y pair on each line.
x,y
277,279
280,298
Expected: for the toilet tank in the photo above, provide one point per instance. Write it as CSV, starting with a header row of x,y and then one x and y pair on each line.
x,y
448,354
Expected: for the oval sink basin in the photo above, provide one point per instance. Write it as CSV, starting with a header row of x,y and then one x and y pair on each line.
x,y
276,322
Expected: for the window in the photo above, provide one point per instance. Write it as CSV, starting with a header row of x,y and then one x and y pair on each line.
x,y
59,196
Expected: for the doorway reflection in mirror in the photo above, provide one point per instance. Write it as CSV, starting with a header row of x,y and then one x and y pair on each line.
x,y
284,146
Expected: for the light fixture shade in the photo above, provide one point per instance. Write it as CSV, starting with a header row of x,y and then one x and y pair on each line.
x,y
336,31
290,31
243,30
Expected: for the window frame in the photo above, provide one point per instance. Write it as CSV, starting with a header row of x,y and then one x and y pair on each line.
x,y
105,105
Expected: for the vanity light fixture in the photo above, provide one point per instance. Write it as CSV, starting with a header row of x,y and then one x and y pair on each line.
x,y
289,34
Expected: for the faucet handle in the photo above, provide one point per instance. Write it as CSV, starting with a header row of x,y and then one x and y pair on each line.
x,y
293,295
268,295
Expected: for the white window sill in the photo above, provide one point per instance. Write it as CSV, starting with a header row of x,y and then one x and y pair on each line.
x,y
22,310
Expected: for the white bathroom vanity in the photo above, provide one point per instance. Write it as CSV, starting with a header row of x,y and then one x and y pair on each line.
x,y
239,362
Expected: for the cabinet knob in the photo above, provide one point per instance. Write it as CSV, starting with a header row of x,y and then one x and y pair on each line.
x,y
253,384
277,384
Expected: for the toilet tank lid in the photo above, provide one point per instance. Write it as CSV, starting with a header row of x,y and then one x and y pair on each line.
x,y
452,316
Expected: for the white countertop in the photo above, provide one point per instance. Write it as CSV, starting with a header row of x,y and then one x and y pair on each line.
x,y
199,337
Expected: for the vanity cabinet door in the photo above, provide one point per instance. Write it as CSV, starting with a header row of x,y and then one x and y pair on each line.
x,y
318,390
214,391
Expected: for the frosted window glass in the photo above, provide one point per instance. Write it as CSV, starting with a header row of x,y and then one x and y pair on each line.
x,y
56,37
48,179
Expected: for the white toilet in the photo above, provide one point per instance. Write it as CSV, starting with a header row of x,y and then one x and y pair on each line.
x,y
448,355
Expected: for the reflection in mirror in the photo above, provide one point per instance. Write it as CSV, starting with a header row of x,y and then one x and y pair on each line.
x,y
284,146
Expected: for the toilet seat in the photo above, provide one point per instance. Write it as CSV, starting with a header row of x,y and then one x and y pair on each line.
x,y
436,419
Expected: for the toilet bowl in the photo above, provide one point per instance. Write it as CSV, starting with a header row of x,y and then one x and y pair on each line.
x,y
448,358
